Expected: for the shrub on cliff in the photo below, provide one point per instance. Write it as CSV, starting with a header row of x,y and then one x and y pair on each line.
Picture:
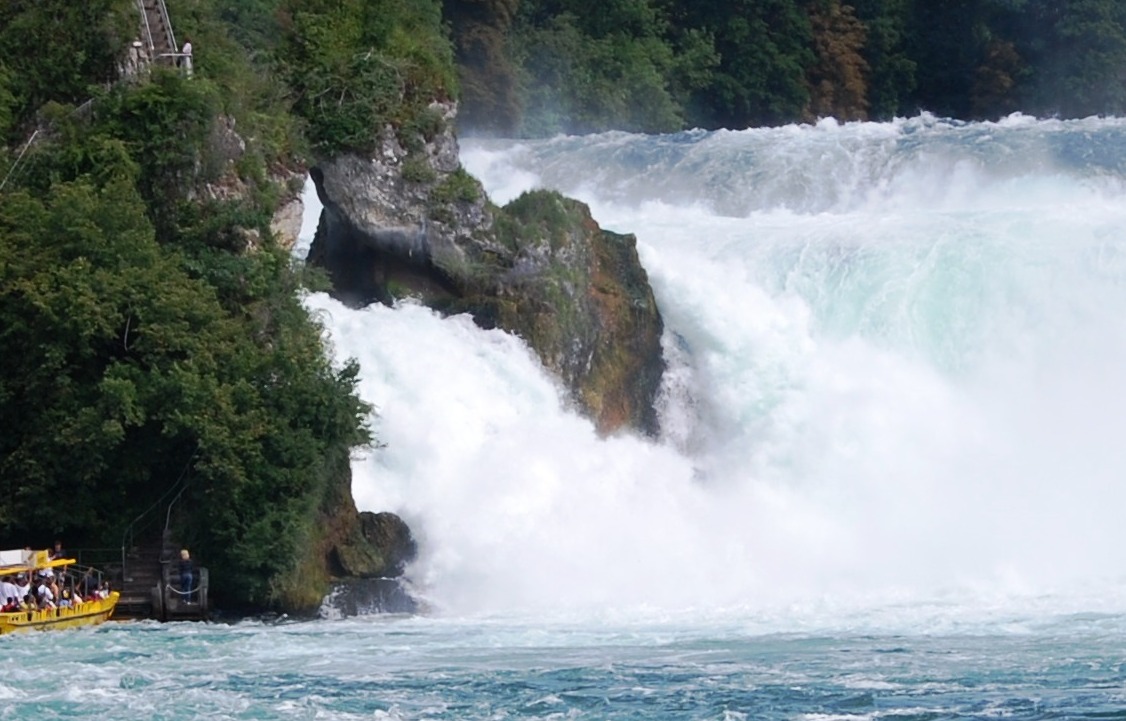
x,y
61,49
358,65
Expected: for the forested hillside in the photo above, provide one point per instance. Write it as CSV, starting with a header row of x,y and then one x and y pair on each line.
x,y
153,347
532,67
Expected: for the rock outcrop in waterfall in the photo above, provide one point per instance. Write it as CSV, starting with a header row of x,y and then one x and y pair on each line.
x,y
409,222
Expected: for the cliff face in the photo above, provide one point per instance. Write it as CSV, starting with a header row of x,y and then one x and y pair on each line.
x,y
344,549
410,222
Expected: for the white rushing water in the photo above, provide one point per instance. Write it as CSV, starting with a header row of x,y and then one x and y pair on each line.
x,y
896,392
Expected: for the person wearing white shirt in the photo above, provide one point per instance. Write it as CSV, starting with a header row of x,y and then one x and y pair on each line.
x,y
186,56
8,589
46,598
23,587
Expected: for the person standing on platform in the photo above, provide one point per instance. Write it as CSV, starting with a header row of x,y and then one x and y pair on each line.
x,y
186,576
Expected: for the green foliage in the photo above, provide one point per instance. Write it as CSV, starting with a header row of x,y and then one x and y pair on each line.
x,y
946,40
1077,49
765,49
659,65
143,347
253,23
7,100
417,170
356,67
163,123
61,50
617,66
891,76
234,45
458,187
536,215
487,73
123,364
422,126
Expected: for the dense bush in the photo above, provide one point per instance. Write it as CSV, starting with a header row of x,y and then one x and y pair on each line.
x,y
358,66
145,348
57,50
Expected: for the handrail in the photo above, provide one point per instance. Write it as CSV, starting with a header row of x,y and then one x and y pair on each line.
x,y
189,592
19,157
168,26
181,484
169,34
78,110
173,502
167,591
145,25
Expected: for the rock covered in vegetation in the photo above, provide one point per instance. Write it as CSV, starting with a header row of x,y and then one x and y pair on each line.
x,y
410,222
380,545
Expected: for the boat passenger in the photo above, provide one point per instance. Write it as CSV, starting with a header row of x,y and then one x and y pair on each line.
x,y
23,586
8,588
89,584
46,598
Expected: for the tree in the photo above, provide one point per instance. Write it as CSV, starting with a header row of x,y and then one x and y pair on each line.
x,y
145,348
996,81
891,76
62,49
837,82
356,66
1078,53
622,64
488,78
765,51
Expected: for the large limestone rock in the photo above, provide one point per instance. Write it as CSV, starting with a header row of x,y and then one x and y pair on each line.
x,y
409,221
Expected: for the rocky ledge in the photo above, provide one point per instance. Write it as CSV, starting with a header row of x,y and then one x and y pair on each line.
x,y
410,222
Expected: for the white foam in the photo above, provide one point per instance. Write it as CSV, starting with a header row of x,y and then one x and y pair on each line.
x,y
899,391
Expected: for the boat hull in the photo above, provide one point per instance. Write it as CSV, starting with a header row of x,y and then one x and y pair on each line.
x,y
88,613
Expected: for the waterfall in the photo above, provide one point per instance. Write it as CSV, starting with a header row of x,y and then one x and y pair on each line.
x,y
896,377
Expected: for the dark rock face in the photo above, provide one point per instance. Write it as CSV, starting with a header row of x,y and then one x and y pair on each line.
x,y
391,536
354,548
375,545
411,223
362,596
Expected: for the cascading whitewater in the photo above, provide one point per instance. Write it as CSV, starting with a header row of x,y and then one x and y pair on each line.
x,y
896,357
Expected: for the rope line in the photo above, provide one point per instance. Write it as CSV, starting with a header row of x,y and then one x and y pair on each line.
x,y
190,591
16,163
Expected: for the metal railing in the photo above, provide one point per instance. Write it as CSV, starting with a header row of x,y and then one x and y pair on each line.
x,y
19,157
145,28
169,34
144,521
168,26
171,601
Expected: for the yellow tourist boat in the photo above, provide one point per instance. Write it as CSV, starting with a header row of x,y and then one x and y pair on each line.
x,y
79,613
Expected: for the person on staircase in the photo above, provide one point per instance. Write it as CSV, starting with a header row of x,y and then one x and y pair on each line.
x,y
186,56
186,576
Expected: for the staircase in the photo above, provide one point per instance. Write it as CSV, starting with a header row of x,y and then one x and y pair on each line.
x,y
156,32
140,577
150,569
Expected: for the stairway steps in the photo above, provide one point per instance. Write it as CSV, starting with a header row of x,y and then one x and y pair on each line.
x,y
162,45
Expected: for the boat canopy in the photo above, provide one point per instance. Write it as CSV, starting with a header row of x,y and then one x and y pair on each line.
x,y
25,561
